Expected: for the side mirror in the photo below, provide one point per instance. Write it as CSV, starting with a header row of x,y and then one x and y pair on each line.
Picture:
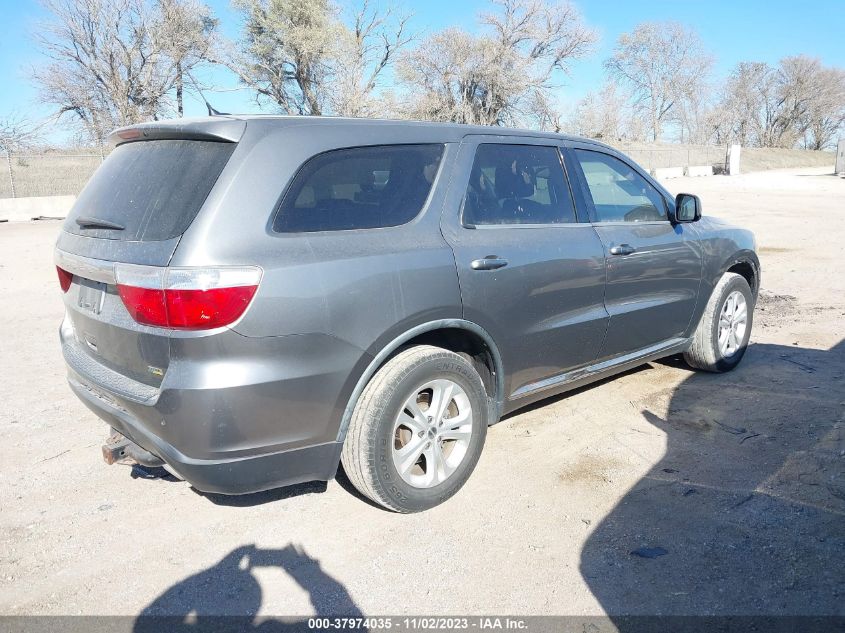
x,y
687,208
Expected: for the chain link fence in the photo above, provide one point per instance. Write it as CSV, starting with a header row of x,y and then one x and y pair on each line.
x,y
47,174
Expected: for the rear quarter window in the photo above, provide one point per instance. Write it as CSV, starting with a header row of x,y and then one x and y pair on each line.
x,y
153,189
359,188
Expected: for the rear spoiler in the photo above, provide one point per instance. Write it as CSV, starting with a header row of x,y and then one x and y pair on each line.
x,y
218,128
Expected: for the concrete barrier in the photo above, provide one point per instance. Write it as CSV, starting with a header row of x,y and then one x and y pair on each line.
x,y
698,170
26,209
661,173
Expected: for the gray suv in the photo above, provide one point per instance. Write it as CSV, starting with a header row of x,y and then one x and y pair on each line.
x,y
253,300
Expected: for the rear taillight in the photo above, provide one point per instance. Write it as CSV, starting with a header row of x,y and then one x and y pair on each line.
x,y
186,298
65,278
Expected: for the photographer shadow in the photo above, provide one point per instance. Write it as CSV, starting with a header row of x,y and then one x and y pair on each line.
x,y
228,596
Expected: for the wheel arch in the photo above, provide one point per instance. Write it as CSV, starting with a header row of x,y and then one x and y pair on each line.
x,y
458,335
747,265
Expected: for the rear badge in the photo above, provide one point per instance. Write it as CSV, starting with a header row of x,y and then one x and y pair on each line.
x,y
155,371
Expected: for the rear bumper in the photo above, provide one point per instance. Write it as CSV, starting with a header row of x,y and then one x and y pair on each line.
x,y
238,475
233,415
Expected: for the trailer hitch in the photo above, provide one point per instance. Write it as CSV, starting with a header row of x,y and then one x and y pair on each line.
x,y
119,449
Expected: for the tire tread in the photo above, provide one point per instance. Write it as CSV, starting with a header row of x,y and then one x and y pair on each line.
x,y
358,455
702,354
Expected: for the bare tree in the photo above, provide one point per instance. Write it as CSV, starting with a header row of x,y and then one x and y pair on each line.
x,y
16,133
796,83
453,76
826,116
503,76
811,101
603,115
303,58
661,63
543,112
285,51
800,101
693,114
747,103
117,62
366,49
187,33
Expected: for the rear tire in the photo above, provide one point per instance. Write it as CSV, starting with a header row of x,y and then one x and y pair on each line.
x,y
417,430
721,338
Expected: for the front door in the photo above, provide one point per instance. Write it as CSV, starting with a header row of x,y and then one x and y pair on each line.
x,y
653,266
530,273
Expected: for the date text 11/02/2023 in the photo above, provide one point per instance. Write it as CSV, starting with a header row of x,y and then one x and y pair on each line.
x,y
421,623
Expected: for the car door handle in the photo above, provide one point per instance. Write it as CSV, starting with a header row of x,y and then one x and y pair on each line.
x,y
622,249
491,262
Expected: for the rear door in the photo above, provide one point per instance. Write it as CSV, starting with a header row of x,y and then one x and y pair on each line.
x,y
530,273
133,211
653,266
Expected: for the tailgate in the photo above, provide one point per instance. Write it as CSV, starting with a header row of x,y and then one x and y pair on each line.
x,y
133,211
98,330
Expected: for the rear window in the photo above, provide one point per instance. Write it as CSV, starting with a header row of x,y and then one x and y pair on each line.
x,y
359,188
152,189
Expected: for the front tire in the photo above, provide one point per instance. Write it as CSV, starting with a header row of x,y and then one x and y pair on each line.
x,y
417,430
721,338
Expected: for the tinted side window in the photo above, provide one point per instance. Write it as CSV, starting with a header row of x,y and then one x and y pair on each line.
x,y
359,188
619,193
517,184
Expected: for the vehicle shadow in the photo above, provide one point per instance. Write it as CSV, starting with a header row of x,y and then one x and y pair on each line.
x,y
267,496
745,513
235,501
228,596
344,482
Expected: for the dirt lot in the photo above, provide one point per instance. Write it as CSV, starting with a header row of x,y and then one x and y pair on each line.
x,y
739,478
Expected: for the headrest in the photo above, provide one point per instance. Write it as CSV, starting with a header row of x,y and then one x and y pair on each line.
x,y
512,185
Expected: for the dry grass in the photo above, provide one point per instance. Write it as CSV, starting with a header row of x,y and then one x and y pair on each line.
x,y
761,159
51,174
653,155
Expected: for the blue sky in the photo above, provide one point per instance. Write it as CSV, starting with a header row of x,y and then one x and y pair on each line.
x,y
734,31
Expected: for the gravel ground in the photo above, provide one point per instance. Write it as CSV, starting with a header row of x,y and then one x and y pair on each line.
x,y
659,491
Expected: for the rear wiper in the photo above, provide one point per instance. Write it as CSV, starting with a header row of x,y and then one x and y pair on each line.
x,y
96,223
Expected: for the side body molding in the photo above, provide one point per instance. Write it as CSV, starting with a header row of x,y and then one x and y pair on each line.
x,y
496,405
